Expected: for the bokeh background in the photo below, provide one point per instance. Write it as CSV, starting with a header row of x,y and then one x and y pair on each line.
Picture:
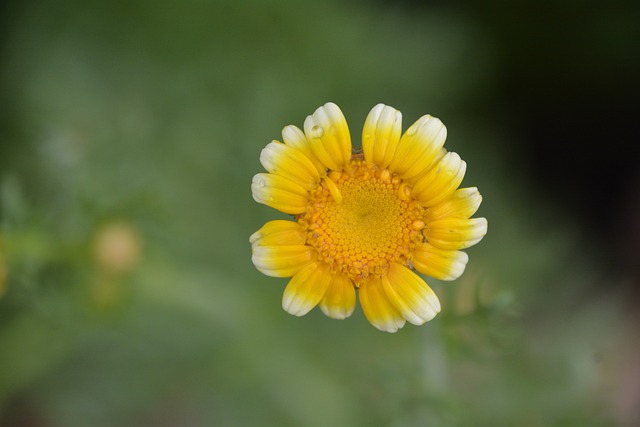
x,y
129,133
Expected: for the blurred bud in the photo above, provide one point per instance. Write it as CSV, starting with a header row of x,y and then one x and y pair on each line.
x,y
117,247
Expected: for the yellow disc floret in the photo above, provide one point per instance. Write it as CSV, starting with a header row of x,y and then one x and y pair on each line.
x,y
362,219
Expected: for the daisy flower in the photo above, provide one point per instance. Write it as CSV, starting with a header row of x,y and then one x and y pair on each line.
x,y
365,220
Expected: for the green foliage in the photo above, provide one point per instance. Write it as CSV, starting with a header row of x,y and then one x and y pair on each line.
x,y
153,115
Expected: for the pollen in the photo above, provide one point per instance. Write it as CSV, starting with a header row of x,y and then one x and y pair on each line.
x,y
363,219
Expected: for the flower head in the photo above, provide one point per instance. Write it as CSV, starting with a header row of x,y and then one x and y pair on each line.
x,y
364,220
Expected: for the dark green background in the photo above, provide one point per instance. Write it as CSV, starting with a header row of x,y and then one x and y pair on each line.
x,y
153,113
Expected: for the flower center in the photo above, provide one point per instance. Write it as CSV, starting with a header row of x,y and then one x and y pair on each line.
x,y
362,220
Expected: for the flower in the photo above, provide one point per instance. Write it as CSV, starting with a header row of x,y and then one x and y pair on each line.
x,y
365,219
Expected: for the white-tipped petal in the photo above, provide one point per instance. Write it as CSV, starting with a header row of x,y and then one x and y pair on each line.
x,y
290,163
463,203
439,263
282,260
327,131
279,193
455,233
279,232
381,134
419,147
294,137
306,289
377,308
410,295
441,181
340,299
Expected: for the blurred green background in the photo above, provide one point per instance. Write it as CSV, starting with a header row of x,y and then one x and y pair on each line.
x,y
129,133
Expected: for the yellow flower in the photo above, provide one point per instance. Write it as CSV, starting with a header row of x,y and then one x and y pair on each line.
x,y
365,219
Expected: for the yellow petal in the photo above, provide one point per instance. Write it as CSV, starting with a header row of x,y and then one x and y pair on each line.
x,y
333,188
282,260
439,263
340,299
306,289
419,147
441,181
381,134
463,203
328,133
294,137
279,233
291,163
455,233
377,307
410,295
280,193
